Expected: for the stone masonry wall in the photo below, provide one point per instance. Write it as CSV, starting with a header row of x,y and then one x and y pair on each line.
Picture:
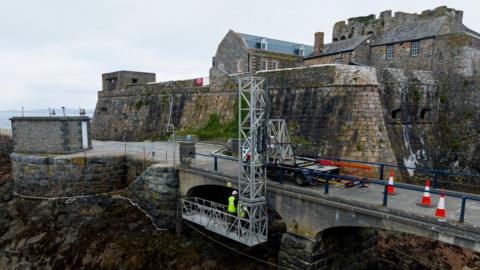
x,y
333,108
139,114
49,134
53,176
402,56
155,191
6,145
337,111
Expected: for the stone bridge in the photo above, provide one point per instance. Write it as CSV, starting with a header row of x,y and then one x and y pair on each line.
x,y
308,212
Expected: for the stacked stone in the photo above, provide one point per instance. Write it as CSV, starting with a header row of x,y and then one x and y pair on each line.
x,y
58,176
6,145
155,191
363,133
301,253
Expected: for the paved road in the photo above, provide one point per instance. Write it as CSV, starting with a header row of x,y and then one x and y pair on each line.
x,y
162,152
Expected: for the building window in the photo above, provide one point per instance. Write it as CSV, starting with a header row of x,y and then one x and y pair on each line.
x,y
111,83
264,65
263,45
274,65
239,65
389,51
134,80
338,61
301,51
415,48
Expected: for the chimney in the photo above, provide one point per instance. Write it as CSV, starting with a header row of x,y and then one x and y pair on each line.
x,y
318,45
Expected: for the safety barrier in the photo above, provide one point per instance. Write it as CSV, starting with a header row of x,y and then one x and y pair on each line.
x,y
422,174
214,217
363,181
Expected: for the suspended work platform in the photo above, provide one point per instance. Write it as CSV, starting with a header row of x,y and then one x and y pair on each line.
x,y
214,217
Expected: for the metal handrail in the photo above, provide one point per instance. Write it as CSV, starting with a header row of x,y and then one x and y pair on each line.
x,y
434,171
219,220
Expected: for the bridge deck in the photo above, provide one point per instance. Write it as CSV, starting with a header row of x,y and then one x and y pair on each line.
x,y
405,200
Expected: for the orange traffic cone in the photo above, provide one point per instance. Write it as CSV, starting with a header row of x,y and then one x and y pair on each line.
x,y
390,187
440,212
426,200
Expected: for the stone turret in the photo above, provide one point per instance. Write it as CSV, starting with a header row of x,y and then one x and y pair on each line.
x,y
359,26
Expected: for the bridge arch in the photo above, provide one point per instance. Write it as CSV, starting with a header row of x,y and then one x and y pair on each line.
x,y
214,193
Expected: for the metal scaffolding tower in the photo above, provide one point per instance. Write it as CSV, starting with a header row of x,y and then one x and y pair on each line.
x,y
250,225
280,146
252,178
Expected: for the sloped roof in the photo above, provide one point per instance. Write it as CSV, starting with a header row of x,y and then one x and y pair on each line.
x,y
411,31
275,45
344,45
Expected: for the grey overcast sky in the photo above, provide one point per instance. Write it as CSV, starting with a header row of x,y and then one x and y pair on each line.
x,y
53,52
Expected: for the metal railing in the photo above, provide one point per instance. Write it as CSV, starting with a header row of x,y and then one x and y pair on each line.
x,y
362,181
440,178
214,217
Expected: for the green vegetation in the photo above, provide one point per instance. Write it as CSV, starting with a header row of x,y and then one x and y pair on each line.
x,y
138,104
363,19
213,129
417,95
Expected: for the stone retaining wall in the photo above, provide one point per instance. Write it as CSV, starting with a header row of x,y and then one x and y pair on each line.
x,y
55,176
6,145
155,191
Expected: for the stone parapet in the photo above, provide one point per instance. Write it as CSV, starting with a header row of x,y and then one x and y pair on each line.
x,y
65,176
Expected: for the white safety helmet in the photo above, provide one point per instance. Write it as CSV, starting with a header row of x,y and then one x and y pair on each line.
x,y
234,192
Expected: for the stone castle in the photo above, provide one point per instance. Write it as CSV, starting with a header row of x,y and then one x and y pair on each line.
x,y
397,88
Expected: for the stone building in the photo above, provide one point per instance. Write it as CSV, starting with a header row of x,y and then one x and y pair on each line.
x,y
241,53
427,116
434,40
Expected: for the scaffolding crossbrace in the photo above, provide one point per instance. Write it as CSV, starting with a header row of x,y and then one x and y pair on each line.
x,y
280,146
252,229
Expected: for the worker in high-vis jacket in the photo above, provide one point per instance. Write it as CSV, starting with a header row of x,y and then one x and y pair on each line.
x,y
232,203
232,211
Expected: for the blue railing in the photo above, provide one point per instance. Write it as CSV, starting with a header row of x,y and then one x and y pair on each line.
x,y
367,180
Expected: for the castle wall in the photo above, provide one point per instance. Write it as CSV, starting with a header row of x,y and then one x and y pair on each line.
x,y
411,103
143,112
336,108
458,52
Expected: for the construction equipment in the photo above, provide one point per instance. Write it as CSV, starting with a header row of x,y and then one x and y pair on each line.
x,y
250,228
